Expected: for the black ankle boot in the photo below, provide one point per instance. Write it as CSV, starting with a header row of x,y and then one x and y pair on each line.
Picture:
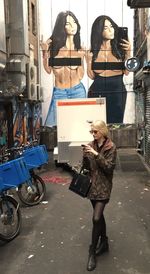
x,y
91,265
103,246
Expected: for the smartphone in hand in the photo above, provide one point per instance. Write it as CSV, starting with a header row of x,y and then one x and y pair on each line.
x,y
122,33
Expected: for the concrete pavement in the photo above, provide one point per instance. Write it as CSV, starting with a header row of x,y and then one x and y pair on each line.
x,y
56,234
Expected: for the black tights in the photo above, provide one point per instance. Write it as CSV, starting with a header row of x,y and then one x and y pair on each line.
x,y
99,224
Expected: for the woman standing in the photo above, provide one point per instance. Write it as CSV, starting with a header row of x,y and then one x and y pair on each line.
x,y
64,56
99,156
105,62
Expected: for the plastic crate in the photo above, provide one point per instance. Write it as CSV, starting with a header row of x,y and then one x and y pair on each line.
x,y
13,173
45,153
35,157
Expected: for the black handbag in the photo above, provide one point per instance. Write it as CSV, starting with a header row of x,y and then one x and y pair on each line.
x,y
81,183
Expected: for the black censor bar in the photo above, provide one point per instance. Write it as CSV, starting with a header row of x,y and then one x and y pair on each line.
x,y
108,65
64,61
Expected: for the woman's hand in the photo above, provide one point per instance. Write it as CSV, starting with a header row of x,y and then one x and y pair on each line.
x,y
88,58
44,46
46,54
89,149
126,46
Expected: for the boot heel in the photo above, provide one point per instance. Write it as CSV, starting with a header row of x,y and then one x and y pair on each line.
x,y
91,265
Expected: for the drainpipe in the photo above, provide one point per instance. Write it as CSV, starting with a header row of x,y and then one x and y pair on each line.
x,y
2,39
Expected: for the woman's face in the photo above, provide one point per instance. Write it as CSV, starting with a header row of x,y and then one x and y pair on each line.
x,y
97,135
108,31
71,25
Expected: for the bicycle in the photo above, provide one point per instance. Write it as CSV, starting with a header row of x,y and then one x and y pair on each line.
x,y
10,217
33,191
12,174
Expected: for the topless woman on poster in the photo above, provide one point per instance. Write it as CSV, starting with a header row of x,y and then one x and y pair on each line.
x,y
105,62
64,43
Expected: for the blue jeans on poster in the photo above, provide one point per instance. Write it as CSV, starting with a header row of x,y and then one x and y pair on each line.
x,y
77,91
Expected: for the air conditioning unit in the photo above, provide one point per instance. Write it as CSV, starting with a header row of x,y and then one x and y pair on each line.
x,y
31,82
40,93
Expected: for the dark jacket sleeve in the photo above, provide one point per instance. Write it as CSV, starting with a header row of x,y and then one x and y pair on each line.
x,y
107,160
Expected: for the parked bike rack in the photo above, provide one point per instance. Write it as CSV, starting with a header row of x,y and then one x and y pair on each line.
x,y
35,157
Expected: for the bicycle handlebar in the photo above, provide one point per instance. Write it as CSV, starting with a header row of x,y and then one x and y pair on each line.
x,y
13,152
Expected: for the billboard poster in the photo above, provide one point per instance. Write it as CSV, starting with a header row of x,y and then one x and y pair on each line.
x,y
84,47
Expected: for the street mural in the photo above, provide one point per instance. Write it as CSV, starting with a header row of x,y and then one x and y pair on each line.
x,y
3,129
95,69
36,121
17,124
105,63
62,54
26,123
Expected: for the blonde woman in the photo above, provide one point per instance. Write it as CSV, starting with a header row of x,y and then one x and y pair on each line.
x,y
99,156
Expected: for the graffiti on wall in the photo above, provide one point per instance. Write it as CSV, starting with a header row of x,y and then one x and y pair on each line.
x,y
17,124
36,121
26,123
3,129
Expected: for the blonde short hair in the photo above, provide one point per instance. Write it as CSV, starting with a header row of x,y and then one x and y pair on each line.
x,y
100,126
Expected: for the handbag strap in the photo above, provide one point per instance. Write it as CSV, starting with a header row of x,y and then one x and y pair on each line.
x,y
82,168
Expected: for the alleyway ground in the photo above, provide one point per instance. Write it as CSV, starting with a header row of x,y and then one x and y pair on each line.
x,y
56,234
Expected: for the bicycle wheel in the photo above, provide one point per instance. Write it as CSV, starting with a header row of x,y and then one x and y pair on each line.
x,y
33,193
10,218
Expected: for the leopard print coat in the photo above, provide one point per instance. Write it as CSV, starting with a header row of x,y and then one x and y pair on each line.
x,y
101,169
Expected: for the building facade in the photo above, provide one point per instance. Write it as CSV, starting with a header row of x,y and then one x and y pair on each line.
x,y
142,76
20,92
